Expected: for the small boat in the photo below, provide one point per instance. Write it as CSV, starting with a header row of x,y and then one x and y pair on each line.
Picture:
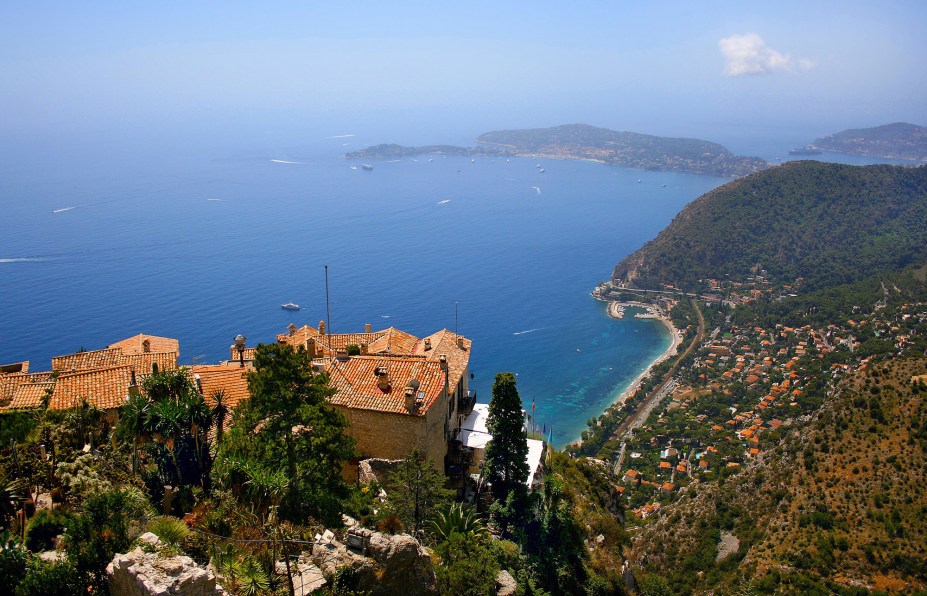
x,y
541,171
290,306
367,166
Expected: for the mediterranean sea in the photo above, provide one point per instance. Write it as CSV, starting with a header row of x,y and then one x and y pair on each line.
x,y
202,239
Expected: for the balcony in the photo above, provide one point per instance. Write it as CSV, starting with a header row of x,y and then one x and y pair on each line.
x,y
466,402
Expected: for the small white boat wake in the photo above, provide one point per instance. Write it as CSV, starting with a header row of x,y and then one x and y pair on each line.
x,y
537,189
299,163
23,260
444,202
213,199
527,331
339,136
63,209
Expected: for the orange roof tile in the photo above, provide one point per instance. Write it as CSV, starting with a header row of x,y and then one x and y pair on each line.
x,y
356,383
105,388
29,396
143,364
87,360
136,344
231,381
455,347
665,465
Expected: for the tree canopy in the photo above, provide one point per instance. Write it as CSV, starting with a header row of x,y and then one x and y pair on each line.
x,y
287,444
506,454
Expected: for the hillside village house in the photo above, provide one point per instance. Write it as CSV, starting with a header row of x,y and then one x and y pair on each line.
x,y
398,392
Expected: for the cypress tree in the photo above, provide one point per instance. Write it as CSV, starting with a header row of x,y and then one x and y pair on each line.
x,y
506,454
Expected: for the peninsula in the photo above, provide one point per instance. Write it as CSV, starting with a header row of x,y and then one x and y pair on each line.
x,y
891,141
581,141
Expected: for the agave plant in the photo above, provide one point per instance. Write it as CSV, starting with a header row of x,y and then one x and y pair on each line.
x,y
458,519
170,530
12,493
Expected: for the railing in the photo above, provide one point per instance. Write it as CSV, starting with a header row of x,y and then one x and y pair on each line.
x,y
466,402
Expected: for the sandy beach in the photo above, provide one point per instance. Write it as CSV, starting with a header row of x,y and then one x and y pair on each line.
x,y
616,310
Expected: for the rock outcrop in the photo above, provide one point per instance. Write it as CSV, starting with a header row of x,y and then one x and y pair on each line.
x,y
141,573
379,563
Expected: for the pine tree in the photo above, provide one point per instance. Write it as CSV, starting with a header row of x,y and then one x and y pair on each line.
x,y
507,453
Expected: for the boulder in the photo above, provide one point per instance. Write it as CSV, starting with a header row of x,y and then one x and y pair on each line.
x,y
140,573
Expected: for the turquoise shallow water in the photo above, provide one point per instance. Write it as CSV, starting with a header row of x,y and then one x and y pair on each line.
x,y
203,241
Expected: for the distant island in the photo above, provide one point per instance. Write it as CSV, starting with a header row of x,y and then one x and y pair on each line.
x,y
581,141
891,141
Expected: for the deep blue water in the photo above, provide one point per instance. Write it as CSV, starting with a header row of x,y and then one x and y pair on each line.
x,y
202,239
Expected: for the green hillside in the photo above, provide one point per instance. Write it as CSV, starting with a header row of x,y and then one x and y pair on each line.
x,y
829,224
837,506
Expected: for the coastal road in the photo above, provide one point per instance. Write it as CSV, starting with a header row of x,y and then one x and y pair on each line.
x,y
666,385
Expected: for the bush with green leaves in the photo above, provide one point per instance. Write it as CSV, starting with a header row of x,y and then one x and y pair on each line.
x,y
13,559
52,578
45,527
170,530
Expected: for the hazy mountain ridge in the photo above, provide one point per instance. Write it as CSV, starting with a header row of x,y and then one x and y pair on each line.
x,y
827,223
898,140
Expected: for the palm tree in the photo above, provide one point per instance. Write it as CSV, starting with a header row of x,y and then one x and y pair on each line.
x,y
219,411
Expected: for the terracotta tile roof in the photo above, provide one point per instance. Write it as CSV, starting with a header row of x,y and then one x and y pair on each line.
x,y
29,396
10,384
14,367
87,360
231,381
298,337
105,388
142,363
247,354
355,381
446,342
394,342
136,344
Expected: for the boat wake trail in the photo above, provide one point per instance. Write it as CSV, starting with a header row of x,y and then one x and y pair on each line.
x,y
537,188
339,136
301,163
63,209
527,331
445,201
24,260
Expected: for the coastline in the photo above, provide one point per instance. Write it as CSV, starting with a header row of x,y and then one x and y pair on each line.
x,y
615,309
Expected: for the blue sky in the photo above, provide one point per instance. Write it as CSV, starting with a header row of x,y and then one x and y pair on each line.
x,y
682,68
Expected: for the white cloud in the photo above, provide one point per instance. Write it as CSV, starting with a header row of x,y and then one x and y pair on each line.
x,y
749,54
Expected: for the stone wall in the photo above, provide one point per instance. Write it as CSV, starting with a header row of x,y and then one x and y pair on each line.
x,y
392,436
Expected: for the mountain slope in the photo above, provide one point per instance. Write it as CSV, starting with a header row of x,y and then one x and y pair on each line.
x,y
827,223
898,140
839,503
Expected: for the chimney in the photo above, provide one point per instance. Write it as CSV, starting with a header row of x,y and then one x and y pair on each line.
x,y
341,354
321,327
427,344
199,383
382,374
460,342
291,330
133,386
367,328
443,360
363,348
410,393
310,347
146,346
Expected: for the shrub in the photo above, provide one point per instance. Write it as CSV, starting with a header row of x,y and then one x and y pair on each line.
x,y
45,527
170,530
51,579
